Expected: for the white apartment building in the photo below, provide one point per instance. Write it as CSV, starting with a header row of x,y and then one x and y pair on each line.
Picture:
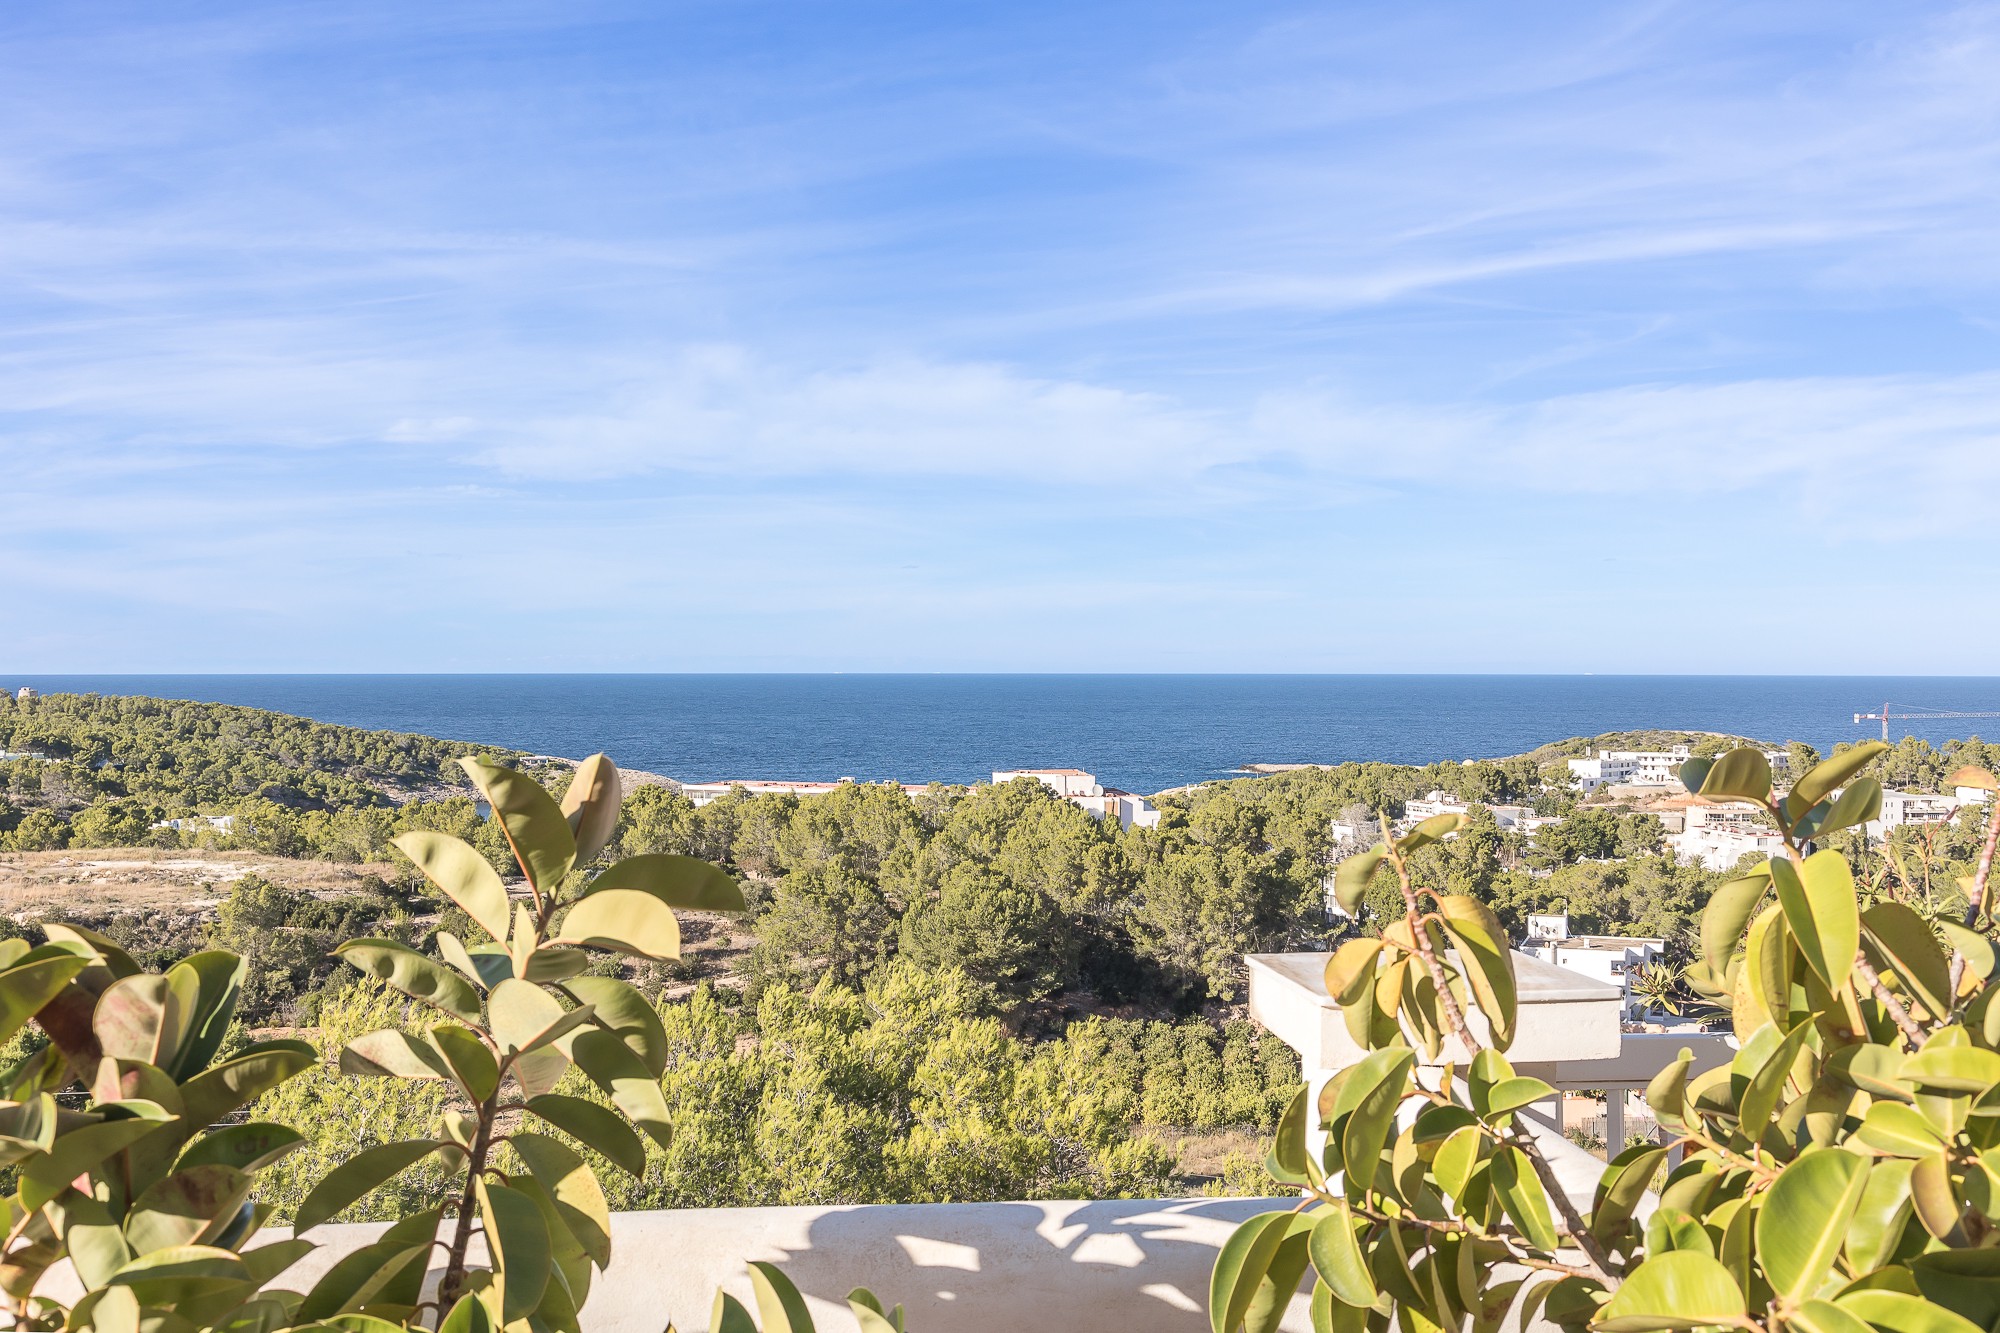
x,y
1083,790
1914,807
1521,817
1720,845
1636,768
1611,959
701,793
1972,795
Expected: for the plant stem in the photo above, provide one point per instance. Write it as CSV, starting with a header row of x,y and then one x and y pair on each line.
x,y
468,1204
1461,1229
1889,1001
1600,1262
1977,907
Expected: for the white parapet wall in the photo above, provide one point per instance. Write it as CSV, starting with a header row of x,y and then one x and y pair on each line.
x,y
1111,1266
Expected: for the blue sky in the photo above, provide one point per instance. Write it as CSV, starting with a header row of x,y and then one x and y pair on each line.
x,y
1102,336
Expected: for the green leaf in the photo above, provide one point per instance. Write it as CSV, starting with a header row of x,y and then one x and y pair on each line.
x,y
678,881
167,1277
625,920
519,1242
139,1018
357,1278
728,1315
1820,780
215,1092
1512,1094
1899,1312
526,1017
1904,942
250,1147
1977,949
1741,775
1337,1258
579,1200
485,965
618,1007
100,949
1678,1290
552,964
1429,831
25,988
185,1207
1861,802
414,975
1942,1068
1824,916
1933,1197
591,806
1804,1219
539,1071
633,1088
1523,1198
472,1065
1279,1284
361,1174
1728,913
1239,1267
595,1126
1818,1316
393,1053
1350,879
1288,1148
1898,1130
778,1301
107,1310
461,874
536,827
77,1151
1623,1187
1881,1216
1482,943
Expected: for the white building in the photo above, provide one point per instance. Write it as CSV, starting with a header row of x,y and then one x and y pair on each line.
x,y
1083,790
192,823
701,793
1913,807
27,692
1645,768
1721,844
1972,795
1612,959
1520,817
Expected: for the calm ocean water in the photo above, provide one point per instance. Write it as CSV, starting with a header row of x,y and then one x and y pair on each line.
x,y
1143,733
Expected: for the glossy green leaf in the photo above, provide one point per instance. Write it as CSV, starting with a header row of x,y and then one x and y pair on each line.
x,y
1822,912
166,1277
472,1064
1623,1186
209,984
591,806
462,874
77,1151
1429,831
555,964
1741,775
244,1077
1976,948
1861,802
1905,943
1941,1068
525,1016
1879,1219
1728,913
624,920
1351,877
1933,1197
595,1126
1240,1266
1279,1284
414,975
357,1278
1820,780
778,1301
519,1241
185,1207
25,988
248,1147
1898,1130
484,965
1489,961
1521,1194
578,1198
1512,1094
1336,1256
393,1053
470,1315
1817,1316
1804,1219
539,1071
139,1018
618,1007
361,1174
678,881
536,827
1899,1312
633,1088
1678,1290
729,1316
1289,1153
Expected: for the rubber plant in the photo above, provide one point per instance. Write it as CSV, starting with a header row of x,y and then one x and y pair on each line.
x,y
1840,1175
151,1194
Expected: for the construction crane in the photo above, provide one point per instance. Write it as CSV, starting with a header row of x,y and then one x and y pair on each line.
x,y
1885,715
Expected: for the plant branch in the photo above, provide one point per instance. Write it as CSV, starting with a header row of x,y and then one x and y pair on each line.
x,y
1600,1262
1461,1229
1889,1001
468,1203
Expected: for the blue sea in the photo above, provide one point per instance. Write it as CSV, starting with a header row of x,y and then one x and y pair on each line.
x,y
1144,733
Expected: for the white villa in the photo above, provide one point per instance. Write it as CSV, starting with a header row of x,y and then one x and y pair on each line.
x,y
1611,959
1083,790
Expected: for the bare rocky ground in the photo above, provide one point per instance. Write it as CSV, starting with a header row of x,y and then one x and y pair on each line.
x,y
125,879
